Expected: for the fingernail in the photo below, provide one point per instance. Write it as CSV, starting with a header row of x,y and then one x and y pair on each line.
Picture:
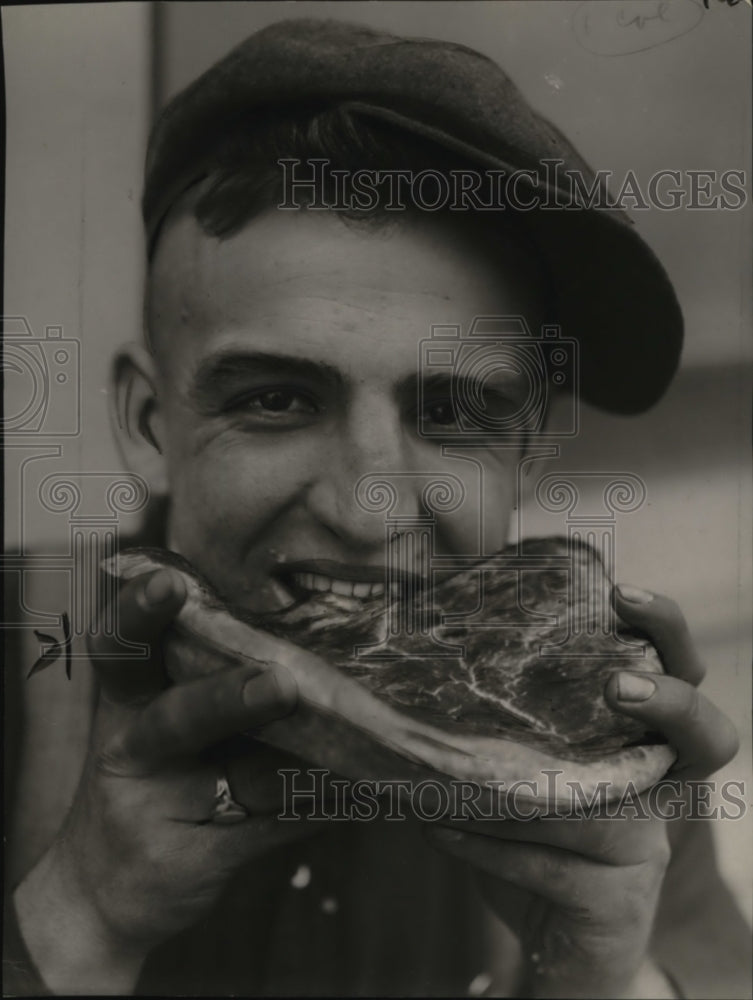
x,y
159,587
633,687
634,594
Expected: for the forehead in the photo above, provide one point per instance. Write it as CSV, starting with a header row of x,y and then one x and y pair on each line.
x,y
353,295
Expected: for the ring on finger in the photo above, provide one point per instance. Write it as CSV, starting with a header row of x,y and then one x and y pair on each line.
x,y
226,810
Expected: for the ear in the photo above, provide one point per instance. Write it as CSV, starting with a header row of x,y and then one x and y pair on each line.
x,y
136,416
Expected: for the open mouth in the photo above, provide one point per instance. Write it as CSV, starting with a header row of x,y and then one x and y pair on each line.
x,y
306,579
317,582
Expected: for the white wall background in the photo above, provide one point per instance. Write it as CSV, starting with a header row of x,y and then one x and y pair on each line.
x,y
78,89
78,97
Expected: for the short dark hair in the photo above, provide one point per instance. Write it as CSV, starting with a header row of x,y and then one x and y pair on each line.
x,y
244,178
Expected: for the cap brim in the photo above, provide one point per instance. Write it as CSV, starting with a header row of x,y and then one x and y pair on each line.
x,y
612,293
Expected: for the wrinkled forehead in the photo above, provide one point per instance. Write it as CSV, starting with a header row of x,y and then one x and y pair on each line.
x,y
306,267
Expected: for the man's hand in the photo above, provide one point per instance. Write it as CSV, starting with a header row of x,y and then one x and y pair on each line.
x,y
581,894
670,703
138,858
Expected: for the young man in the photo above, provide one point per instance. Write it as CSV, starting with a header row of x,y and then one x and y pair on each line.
x,y
280,369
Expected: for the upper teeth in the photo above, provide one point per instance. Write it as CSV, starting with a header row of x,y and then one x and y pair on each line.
x,y
315,581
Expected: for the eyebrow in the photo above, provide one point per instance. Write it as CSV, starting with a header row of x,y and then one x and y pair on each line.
x,y
500,380
219,373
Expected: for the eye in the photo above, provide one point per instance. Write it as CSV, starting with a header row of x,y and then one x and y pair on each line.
x,y
440,412
277,403
483,412
280,401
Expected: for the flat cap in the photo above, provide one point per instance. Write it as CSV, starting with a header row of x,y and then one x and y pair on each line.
x,y
613,294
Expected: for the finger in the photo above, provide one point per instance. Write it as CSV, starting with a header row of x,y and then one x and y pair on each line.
x,y
663,622
703,736
627,838
145,607
233,844
252,768
188,718
538,868
261,827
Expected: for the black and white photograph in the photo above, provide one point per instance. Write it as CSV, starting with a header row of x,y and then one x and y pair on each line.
x,y
378,550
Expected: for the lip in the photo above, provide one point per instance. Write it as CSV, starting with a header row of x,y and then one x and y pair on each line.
x,y
348,572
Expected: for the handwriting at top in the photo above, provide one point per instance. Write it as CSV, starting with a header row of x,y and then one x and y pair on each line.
x,y
619,27
640,20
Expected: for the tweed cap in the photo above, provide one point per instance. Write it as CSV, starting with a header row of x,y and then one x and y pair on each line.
x,y
613,294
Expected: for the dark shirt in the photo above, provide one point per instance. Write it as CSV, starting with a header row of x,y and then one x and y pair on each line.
x,y
382,914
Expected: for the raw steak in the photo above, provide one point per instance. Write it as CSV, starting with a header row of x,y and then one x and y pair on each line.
x,y
501,685
522,697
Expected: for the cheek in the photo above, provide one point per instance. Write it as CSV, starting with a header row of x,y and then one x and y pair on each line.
x,y
223,499
483,520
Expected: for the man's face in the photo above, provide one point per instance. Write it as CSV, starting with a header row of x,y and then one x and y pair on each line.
x,y
288,360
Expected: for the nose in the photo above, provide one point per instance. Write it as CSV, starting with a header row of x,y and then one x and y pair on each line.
x,y
372,440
